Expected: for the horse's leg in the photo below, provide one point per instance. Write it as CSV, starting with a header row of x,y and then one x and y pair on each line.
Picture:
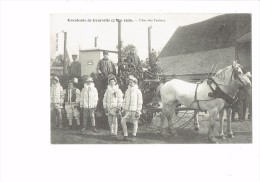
x,y
171,118
221,121
211,133
196,121
164,116
229,130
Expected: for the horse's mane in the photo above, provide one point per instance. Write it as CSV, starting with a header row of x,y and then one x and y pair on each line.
x,y
221,74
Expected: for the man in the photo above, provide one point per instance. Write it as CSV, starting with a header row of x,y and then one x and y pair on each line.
x,y
105,66
56,100
72,100
249,97
75,67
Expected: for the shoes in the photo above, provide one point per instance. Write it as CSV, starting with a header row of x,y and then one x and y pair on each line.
x,y
126,138
70,127
133,138
83,129
94,129
114,137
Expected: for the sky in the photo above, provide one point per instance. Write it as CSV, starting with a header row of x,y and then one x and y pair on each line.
x,y
134,30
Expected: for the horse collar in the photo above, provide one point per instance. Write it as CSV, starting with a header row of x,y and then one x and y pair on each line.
x,y
218,93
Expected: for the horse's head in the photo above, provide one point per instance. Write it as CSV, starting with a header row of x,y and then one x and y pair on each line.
x,y
240,76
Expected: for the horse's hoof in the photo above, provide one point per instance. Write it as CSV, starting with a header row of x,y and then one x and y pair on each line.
x,y
230,136
197,129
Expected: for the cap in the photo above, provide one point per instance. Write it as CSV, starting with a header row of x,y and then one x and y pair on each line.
x,y
111,77
55,78
70,81
88,79
131,77
105,52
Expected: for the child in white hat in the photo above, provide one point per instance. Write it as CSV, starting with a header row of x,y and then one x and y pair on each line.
x,y
112,103
88,103
132,106
56,100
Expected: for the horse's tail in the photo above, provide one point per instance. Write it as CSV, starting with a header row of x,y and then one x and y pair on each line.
x,y
158,93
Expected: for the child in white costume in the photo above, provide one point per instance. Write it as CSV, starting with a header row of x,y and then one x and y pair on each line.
x,y
112,103
56,93
88,103
132,106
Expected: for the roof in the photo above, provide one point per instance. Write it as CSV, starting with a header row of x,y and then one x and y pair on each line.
x,y
214,33
97,50
245,38
197,63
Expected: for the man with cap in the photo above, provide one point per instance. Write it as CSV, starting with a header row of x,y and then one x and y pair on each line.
x,y
56,93
72,100
132,106
105,66
75,67
112,103
88,103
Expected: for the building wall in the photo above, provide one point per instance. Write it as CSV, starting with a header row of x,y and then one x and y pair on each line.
x,y
244,55
89,61
197,63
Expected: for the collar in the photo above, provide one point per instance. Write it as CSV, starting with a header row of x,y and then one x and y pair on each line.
x,y
135,87
87,86
112,88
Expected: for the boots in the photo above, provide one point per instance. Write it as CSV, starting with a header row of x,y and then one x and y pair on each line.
x,y
94,129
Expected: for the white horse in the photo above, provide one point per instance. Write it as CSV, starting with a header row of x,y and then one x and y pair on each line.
x,y
196,96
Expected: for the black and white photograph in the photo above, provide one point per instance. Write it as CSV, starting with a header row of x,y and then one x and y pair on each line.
x,y
151,78
129,91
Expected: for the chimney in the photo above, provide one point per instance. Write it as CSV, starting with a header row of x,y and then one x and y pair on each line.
x,y
96,41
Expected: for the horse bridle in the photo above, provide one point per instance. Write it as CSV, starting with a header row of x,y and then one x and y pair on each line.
x,y
235,73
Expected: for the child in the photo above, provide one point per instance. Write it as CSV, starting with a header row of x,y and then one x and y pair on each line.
x,y
72,99
112,103
132,107
56,100
88,103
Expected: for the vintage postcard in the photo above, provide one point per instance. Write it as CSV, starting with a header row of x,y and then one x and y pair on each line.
x,y
151,78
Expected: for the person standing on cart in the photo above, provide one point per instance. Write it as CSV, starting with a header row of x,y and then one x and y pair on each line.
x,y
105,67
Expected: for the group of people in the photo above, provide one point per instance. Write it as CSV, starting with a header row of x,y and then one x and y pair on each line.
x,y
75,101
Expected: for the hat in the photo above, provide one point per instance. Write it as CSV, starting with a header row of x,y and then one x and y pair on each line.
x,y
88,79
131,77
70,81
248,74
111,77
55,78
105,52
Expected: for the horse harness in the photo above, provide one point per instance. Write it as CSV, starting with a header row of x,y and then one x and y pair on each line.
x,y
217,92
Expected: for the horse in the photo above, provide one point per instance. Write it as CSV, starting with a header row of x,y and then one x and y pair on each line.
x,y
200,96
229,109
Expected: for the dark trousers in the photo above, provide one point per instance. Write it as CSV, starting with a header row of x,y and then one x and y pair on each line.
x,y
88,113
56,116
